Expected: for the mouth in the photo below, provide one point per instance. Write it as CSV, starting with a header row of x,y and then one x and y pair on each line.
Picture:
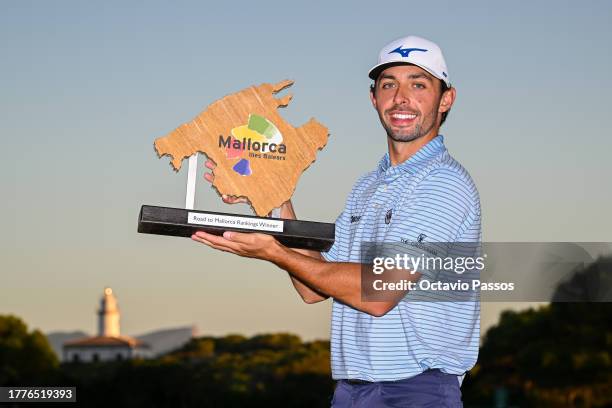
x,y
402,118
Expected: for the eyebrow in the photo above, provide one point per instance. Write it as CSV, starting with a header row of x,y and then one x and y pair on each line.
x,y
420,75
411,76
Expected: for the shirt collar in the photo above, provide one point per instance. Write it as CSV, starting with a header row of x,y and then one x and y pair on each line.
x,y
423,155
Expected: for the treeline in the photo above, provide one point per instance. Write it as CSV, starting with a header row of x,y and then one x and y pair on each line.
x,y
232,371
559,355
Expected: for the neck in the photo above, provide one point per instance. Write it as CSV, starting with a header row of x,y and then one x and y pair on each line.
x,y
399,152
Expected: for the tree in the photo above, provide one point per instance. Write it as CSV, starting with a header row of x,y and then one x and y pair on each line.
x,y
25,357
557,355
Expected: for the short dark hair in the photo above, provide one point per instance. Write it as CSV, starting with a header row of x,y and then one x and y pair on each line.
x,y
443,88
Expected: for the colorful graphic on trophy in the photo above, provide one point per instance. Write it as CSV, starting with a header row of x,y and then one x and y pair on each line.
x,y
260,138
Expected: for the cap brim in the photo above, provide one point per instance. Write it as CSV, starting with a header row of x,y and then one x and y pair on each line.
x,y
377,69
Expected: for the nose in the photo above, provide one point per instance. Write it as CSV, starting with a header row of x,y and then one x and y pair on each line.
x,y
402,95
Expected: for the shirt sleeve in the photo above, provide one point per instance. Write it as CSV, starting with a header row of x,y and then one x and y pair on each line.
x,y
342,226
342,230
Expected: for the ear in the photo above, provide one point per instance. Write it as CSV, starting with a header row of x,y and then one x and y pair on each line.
x,y
447,100
373,96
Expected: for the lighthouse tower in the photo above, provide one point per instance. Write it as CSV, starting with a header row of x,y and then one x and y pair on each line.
x,y
108,345
108,315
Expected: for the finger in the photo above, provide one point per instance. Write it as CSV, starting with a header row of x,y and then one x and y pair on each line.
x,y
239,237
213,239
213,245
248,239
217,240
232,199
210,164
202,240
209,177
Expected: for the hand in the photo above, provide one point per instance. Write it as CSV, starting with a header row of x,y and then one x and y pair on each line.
x,y
250,245
210,178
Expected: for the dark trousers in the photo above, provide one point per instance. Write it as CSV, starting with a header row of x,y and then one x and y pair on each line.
x,y
431,388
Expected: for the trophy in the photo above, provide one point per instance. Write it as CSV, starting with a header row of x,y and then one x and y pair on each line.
x,y
257,155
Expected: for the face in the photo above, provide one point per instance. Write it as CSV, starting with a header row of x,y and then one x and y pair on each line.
x,y
408,101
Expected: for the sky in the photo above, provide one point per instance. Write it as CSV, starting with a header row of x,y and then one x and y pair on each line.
x,y
86,87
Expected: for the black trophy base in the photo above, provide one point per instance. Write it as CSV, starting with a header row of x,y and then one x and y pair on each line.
x,y
179,222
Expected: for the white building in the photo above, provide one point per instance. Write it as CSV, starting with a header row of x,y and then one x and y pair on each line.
x,y
109,344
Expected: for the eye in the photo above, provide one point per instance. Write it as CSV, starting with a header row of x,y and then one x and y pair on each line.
x,y
419,85
387,85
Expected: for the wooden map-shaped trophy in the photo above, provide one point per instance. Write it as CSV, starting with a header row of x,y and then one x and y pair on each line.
x,y
258,156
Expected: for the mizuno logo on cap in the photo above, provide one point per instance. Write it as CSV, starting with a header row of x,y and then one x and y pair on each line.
x,y
404,52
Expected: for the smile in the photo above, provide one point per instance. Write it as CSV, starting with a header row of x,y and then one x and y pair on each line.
x,y
403,116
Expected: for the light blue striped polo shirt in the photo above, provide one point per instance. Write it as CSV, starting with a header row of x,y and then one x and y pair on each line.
x,y
432,198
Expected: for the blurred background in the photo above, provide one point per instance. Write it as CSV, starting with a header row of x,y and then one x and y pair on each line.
x,y
87,87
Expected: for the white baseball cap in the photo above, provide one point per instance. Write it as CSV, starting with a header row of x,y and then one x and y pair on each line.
x,y
412,50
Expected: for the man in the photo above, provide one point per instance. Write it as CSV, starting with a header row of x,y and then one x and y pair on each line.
x,y
392,352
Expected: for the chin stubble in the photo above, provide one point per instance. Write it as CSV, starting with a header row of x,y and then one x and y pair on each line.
x,y
418,131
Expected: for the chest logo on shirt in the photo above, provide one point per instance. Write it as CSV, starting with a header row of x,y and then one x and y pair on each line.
x,y
388,216
355,218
